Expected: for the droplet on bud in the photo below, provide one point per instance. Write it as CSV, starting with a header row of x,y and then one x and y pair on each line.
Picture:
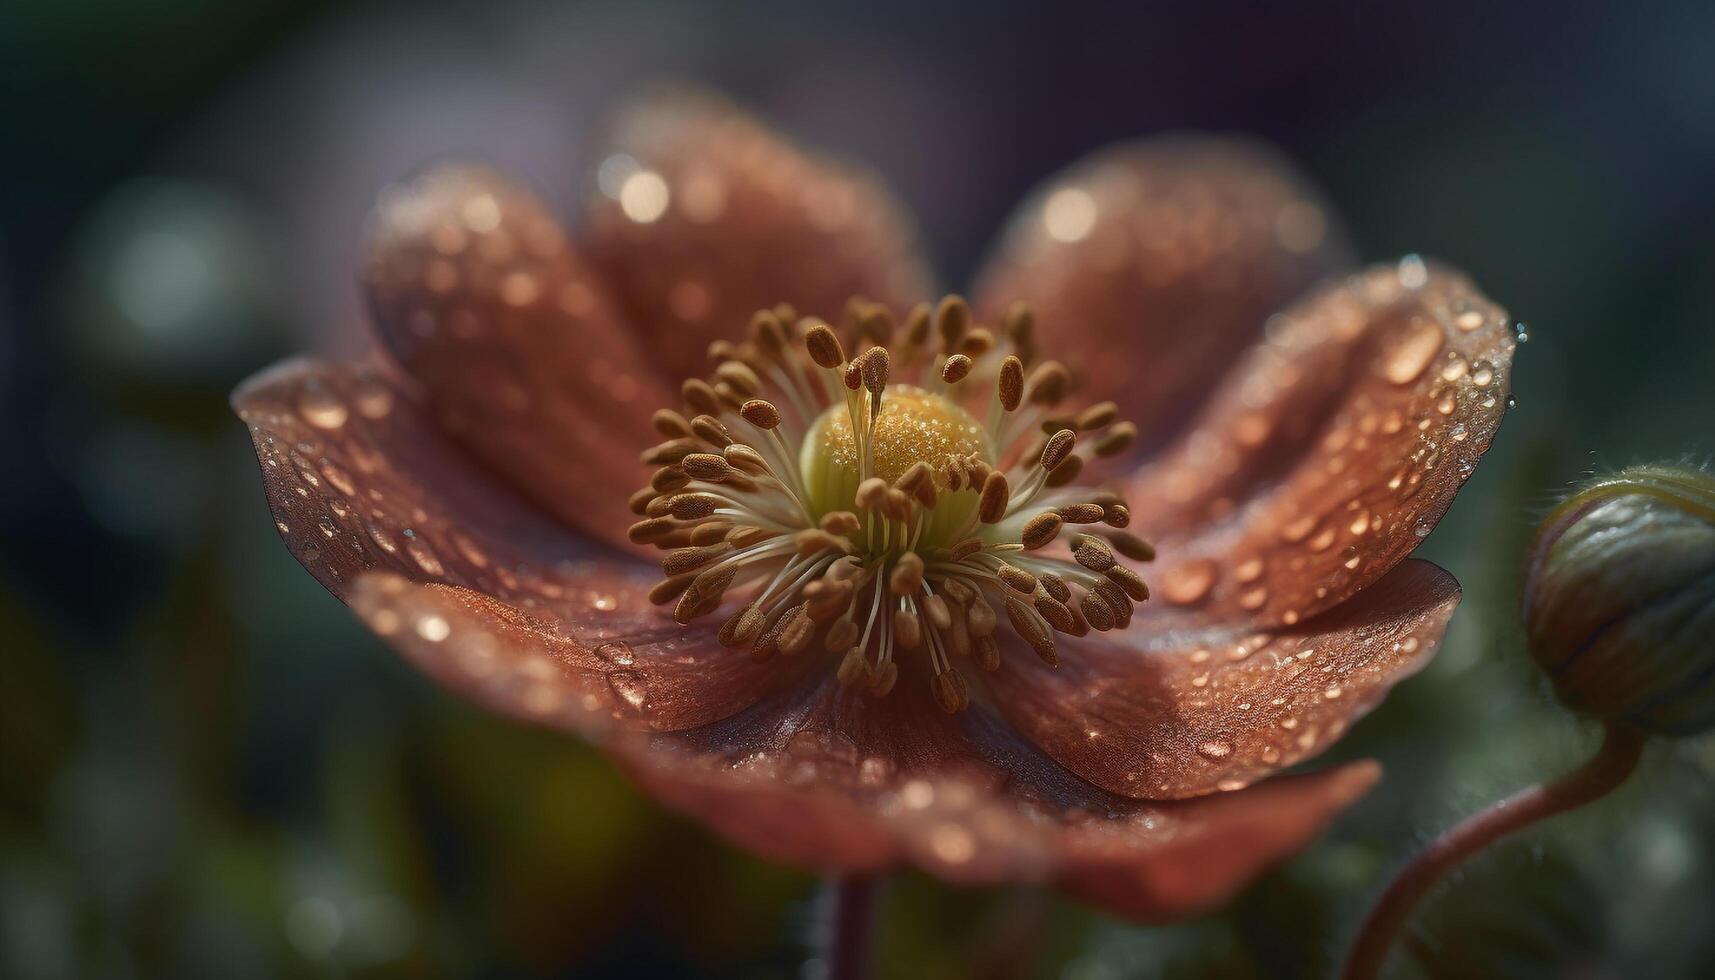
x,y
1619,599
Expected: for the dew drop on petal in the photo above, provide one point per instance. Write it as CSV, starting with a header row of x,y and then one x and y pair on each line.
x,y
1188,583
322,408
629,687
1411,357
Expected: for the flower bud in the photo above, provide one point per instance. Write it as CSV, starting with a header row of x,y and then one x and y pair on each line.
x,y
1619,599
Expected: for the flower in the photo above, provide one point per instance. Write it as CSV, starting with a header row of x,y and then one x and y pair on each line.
x,y
467,492
1619,599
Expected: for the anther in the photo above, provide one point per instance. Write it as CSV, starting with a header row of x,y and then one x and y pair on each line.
x,y
740,376
1116,440
1067,472
700,395
950,692
639,501
1129,582
991,504
955,369
647,531
1048,383
841,522
1132,546
1097,416
1034,631
1058,448
1092,553
952,317
871,494
843,635
907,575
707,466
682,560
1017,579
977,343
964,549
669,478
670,588
693,506
824,346
939,616
710,430
854,668
907,629
1116,515
917,324
671,424
1011,383
1041,530
1020,327
875,371
1081,513
760,413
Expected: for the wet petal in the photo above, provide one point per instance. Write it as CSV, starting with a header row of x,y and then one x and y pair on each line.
x,y
1170,714
824,780
702,216
1155,263
478,294
1331,451
466,579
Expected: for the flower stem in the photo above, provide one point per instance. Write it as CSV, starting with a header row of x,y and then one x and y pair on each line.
x,y
1608,768
850,927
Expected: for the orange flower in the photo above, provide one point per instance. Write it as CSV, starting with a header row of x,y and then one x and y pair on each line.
x,y
467,492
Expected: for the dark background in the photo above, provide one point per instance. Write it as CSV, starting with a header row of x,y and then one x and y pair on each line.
x,y
209,770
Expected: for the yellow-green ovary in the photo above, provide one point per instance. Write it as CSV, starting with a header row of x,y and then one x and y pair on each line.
x,y
913,425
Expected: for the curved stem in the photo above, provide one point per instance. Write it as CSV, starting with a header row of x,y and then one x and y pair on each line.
x,y
1608,768
850,927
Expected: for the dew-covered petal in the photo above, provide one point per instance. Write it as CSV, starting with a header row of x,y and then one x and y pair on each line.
x,y
1160,714
463,576
478,294
701,216
1331,450
1153,264
837,783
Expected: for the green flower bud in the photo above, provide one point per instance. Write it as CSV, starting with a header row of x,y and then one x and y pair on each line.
x,y
1619,599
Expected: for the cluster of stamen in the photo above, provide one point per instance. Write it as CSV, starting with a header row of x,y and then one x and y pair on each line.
x,y
859,506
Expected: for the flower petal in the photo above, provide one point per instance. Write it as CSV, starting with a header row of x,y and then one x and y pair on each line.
x,y
1155,263
1331,451
1171,714
703,216
478,294
823,780
467,580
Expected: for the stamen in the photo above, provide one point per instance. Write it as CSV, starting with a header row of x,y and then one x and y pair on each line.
x,y
881,521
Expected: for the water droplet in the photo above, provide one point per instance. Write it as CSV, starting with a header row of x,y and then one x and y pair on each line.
x,y
1413,272
952,843
629,687
1254,599
433,628
372,398
321,407
1521,332
1249,571
617,652
424,557
1215,749
1298,529
1412,355
1333,692
1188,583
